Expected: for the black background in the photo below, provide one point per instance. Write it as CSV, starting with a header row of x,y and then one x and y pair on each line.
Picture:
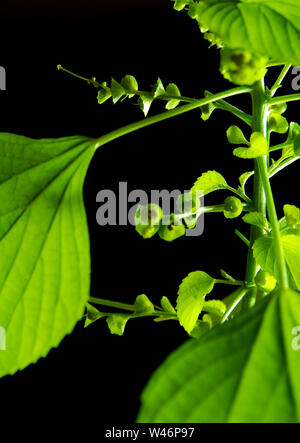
x,y
94,377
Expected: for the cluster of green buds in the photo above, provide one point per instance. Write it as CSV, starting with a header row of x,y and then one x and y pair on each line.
x,y
149,220
241,67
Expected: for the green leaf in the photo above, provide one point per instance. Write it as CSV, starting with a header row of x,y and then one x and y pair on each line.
x,y
117,90
143,304
235,136
103,94
145,101
269,28
209,181
93,314
258,147
117,323
208,380
265,257
44,244
172,90
256,219
158,89
292,215
191,294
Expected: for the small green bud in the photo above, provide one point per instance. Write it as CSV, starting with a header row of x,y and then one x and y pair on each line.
x,y
280,108
147,220
213,39
143,304
130,85
265,281
117,323
172,231
233,207
241,67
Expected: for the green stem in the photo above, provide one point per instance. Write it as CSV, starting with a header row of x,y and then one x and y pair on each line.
x,y
281,146
277,246
242,237
229,282
283,99
240,295
127,307
168,114
112,304
278,82
283,164
211,209
92,81
259,124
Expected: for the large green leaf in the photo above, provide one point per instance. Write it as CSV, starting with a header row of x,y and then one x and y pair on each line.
x,y
242,371
44,244
265,27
